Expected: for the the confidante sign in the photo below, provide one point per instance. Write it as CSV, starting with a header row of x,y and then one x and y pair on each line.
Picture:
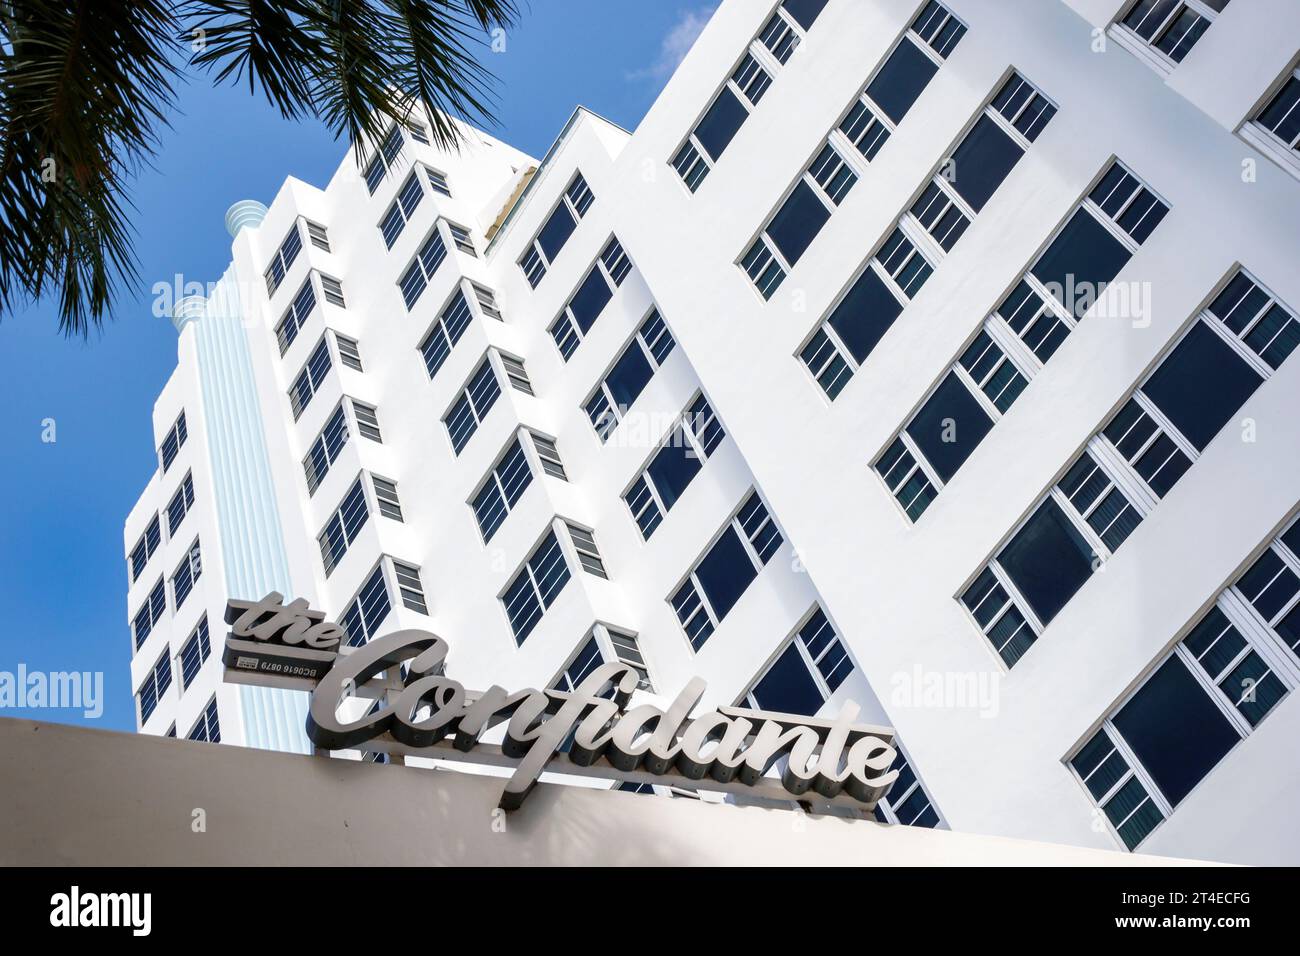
x,y
425,711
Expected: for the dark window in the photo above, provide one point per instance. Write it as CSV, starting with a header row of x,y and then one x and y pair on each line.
x,y
673,468
1201,385
725,572
590,299
797,222
368,610
1084,252
556,232
805,12
1128,203
1175,729
949,426
1291,538
1269,585
865,314
901,80
720,123
982,161
788,687
628,376
1048,560
535,587
1282,115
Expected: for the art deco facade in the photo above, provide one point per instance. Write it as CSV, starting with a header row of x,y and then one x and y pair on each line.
x,y
932,356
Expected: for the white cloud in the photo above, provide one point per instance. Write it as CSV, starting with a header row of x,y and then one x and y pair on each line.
x,y
675,44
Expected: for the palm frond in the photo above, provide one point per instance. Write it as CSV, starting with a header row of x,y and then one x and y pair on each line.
x,y
257,39
85,87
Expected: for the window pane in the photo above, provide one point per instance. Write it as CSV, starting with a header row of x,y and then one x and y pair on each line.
x,y
1084,252
673,468
797,222
804,11
865,314
1175,729
982,161
725,572
949,426
629,376
1147,15
1282,115
1201,385
720,123
901,80
556,232
1048,560
787,687
590,299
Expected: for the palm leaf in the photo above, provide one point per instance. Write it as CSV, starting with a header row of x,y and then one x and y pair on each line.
x,y
86,86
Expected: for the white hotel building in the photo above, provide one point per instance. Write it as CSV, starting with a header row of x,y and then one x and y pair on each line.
x,y
930,356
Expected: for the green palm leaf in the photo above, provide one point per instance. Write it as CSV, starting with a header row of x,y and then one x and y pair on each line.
x,y
86,87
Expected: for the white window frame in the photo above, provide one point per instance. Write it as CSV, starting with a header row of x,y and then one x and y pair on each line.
x,y
566,320
391,499
567,529
638,339
403,213
733,522
142,543
440,327
419,263
831,203
576,210
1286,155
392,565
746,698
1258,637
494,478
686,423
538,461
180,429
525,569
998,334
602,635
917,231
839,348
475,413
185,493
367,496
887,803
193,560
178,661
769,64
1145,50
382,567
839,137
1027,358
461,238
1122,475
277,258
512,369
436,180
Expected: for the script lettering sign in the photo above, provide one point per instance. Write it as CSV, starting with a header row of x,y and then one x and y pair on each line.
x,y
427,713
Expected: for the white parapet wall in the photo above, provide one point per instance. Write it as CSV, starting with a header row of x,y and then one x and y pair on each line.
x,y
91,797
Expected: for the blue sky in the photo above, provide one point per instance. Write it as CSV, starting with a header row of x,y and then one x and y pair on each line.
x,y
62,569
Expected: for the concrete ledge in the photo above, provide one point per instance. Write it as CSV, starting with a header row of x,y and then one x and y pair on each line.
x,y
92,797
